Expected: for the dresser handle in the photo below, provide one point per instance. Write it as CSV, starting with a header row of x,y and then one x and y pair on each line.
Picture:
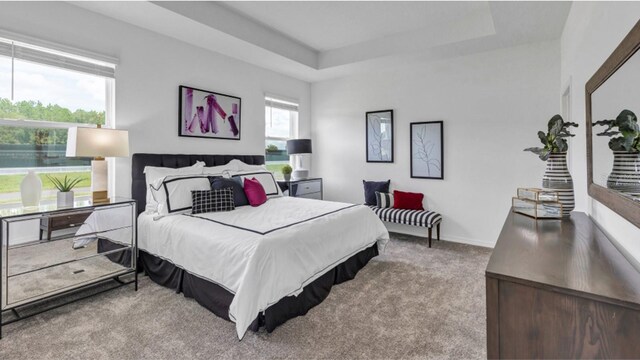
x,y
78,272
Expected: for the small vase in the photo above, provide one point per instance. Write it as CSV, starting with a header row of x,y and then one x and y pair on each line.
x,y
557,178
31,189
625,175
287,177
65,199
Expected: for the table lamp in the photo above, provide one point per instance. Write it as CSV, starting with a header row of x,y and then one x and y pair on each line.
x,y
98,143
299,147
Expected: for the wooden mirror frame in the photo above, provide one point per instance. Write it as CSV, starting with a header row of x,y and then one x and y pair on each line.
x,y
622,205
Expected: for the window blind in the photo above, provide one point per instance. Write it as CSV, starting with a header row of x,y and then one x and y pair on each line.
x,y
58,59
280,104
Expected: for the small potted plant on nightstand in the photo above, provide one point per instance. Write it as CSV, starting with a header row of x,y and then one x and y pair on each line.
x,y
64,186
286,171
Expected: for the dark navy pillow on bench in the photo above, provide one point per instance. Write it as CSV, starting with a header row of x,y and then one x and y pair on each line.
x,y
370,188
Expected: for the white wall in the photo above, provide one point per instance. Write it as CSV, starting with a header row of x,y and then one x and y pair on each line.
x,y
492,105
150,70
592,32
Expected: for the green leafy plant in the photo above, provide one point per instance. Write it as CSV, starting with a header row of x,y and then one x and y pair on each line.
x,y
287,170
554,140
66,184
628,129
272,148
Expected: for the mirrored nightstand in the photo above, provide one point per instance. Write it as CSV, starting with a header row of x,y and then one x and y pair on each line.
x,y
48,252
310,188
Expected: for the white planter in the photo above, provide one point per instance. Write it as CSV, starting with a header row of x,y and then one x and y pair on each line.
x,y
31,189
65,199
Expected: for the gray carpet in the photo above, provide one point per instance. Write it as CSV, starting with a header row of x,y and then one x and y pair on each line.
x,y
410,302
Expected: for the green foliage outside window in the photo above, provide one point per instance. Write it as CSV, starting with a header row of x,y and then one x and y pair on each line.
x,y
35,110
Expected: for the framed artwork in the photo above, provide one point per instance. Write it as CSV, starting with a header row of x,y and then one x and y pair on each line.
x,y
207,114
427,150
379,136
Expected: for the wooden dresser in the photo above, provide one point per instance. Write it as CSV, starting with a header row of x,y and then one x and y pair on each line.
x,y
560,289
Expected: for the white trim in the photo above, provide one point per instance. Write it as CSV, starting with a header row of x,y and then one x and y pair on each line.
x,y
422,232
49,45
280,98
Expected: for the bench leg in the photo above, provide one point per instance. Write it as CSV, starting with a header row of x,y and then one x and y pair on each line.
x,y
429,237
438,231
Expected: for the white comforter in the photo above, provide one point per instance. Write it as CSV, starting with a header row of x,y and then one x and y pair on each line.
x,y
265,253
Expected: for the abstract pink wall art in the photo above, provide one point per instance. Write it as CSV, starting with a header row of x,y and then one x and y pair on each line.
x,y
207,114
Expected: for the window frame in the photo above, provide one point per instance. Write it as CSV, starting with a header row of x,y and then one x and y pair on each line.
x,y
76,57
290,105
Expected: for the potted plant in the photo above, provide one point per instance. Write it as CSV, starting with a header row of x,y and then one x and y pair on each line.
x,y
286,171
64,186
557,177
625,144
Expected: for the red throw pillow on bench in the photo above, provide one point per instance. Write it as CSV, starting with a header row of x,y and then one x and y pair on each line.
x,y
407,200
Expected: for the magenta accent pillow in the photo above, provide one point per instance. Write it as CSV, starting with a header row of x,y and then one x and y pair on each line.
x,y
255,192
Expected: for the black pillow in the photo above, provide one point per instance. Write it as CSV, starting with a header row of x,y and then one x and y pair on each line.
x,y
370,188
239,198
205,201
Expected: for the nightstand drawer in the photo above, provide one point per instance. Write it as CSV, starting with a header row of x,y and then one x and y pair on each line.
x,y
316,195
305,187
63,221
29,285
39,255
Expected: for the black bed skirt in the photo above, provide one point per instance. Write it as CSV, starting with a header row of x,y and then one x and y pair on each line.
x,y
216,299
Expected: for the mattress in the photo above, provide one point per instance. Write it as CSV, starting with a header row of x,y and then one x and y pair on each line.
x,y
263,254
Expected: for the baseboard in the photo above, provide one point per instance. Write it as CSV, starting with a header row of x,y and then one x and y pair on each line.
x,y
467,241
422,232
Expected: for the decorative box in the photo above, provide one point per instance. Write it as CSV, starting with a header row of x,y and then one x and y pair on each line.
x,y
538,194
537,210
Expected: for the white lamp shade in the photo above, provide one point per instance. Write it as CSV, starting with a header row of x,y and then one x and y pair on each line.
x,y
97,142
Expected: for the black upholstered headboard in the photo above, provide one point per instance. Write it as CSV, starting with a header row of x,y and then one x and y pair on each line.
x,y
139,161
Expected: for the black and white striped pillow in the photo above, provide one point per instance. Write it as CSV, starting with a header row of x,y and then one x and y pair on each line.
x,y
384,200
205,201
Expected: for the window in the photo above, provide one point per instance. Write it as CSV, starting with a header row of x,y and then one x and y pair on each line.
x,y
281,120
43,93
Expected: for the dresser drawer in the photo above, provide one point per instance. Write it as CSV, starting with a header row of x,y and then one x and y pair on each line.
x,y
63,221
34,256
31,285
306,187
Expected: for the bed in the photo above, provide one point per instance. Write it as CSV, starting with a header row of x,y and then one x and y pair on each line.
x,y
255,266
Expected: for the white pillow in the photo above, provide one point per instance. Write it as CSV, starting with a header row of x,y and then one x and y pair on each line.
x,y
238,165
173,193
153,173
266,179
217,170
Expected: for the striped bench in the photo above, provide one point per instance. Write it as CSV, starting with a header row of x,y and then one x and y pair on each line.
x,y
421,218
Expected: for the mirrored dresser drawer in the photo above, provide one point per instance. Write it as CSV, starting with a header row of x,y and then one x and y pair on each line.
x,y
48,251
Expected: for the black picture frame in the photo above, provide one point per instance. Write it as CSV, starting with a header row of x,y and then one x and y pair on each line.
x,y
226,104
370,149
420,144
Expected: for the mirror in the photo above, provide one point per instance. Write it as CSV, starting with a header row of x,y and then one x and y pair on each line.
x,y
613,135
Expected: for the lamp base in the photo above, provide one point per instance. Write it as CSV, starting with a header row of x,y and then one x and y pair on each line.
x,y
299,174
99,197
99,172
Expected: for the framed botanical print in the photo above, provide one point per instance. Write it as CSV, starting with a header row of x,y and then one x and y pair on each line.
x,y
379,136
427,150
207,114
